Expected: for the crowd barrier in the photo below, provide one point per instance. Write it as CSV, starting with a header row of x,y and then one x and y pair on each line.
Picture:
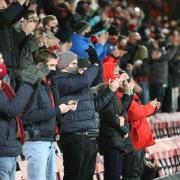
x,y
165,153
165,125
175,176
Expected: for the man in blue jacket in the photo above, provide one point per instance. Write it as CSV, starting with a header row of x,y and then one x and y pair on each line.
x,y
80,42
80,128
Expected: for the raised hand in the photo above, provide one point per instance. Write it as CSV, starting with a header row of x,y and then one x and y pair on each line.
x,y
114,85
93,57
156,104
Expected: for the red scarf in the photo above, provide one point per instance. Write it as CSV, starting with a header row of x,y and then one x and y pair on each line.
x,y
48,82
20,130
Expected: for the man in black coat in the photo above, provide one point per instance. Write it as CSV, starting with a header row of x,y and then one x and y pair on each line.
x,y
174,71
9,37
40,124
80,128
159,71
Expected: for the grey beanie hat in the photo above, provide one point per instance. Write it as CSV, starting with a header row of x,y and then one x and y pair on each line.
x,y
65,58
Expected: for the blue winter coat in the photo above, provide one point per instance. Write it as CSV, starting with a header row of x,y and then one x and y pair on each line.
x,y
81,43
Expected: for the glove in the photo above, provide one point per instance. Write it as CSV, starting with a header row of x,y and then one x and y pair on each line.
x,y
93,57
45,71
33,74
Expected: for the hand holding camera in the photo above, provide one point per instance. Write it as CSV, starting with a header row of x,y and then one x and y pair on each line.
x,y
114,85
156,104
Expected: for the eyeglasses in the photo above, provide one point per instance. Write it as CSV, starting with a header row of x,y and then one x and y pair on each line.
x,y
33,19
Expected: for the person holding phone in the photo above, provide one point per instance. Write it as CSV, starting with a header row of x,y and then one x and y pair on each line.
x,y
40,120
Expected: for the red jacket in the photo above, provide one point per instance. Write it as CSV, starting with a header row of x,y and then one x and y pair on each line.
x,y
140,133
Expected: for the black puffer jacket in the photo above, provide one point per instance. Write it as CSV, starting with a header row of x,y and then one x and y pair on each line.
x,y
9,110
40,117
111,133
77,87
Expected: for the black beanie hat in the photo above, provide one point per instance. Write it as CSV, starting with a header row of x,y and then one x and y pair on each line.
x,y
113,30
81,26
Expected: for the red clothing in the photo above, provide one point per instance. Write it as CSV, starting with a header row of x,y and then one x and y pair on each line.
x,y
140,133
108,67
19,125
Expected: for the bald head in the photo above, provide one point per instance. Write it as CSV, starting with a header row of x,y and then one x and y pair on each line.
x,y
134,37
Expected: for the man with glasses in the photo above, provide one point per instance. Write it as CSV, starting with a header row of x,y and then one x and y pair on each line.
x,y
8,16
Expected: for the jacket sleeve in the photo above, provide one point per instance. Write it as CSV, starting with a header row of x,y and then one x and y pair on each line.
x,y
102,99
171,52
101,51
175,65
126,102
11,14
138,111
77,82
13,108
37,114
99,77
114,122
18,36
40,115
26,55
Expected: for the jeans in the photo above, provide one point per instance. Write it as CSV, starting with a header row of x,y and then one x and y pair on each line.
x,y
79,155
175,93
7,168
41,160
113,159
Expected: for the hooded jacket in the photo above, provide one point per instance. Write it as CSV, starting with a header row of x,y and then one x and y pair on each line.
x,y
81,43
140,133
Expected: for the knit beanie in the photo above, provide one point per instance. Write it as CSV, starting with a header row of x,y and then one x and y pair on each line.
x,y
113,30
65,58
81,26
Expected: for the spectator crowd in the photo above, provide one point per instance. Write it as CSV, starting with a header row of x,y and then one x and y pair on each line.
x,y
86,75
